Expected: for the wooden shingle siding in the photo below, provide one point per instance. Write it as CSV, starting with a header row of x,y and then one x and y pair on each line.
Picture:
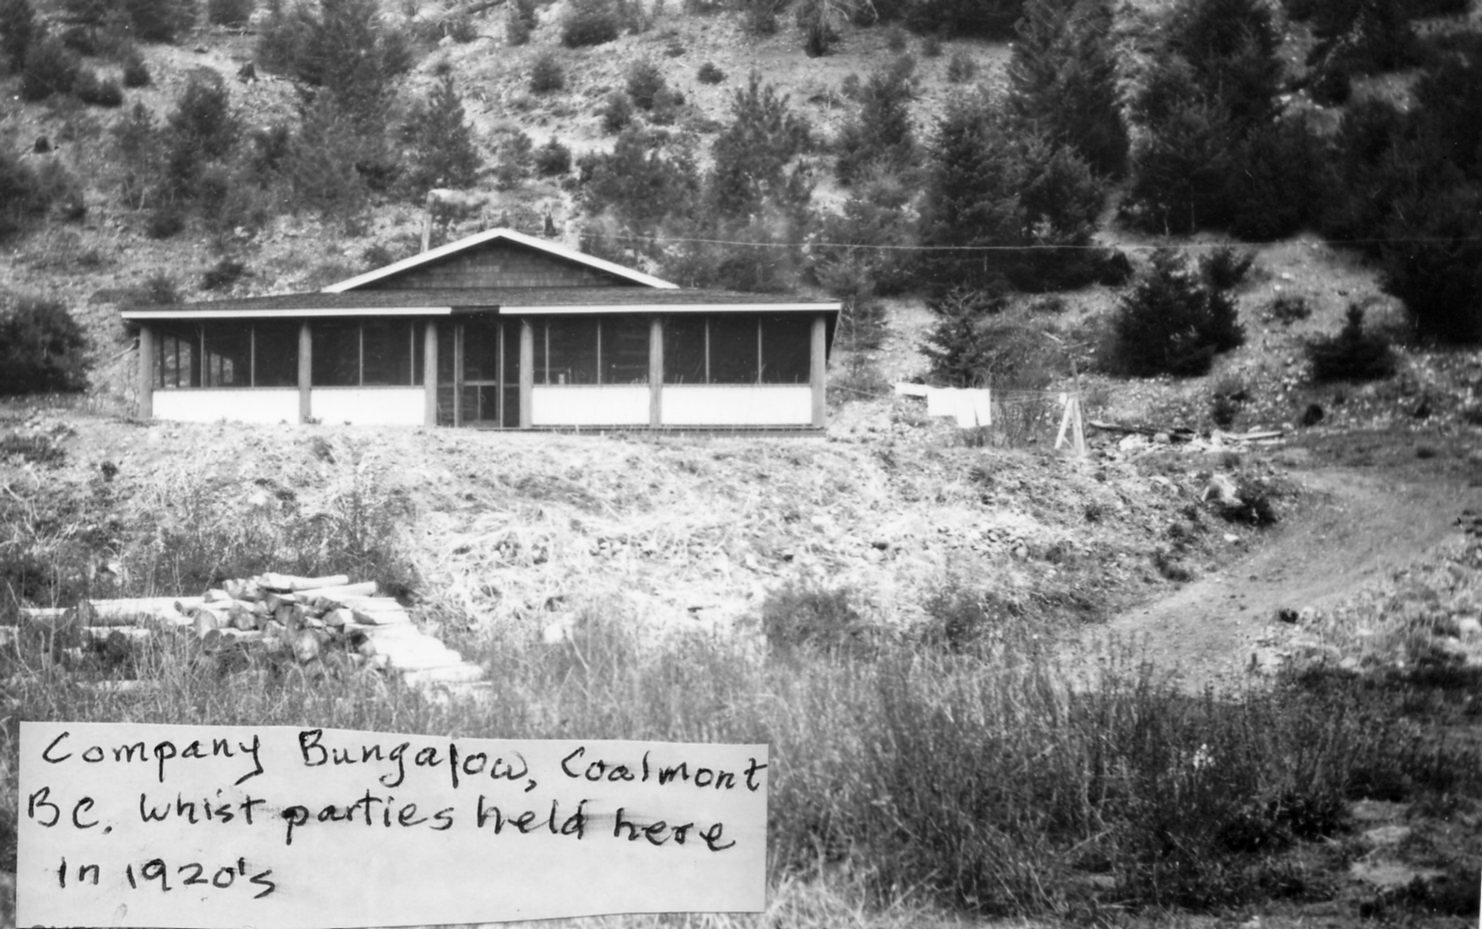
x,y
498,264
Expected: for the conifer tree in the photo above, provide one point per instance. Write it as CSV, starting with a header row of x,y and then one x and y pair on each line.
x,y
881,133
322,162
986,19
443,153
1173,322
955,346
1214,85
17,28
1063,79
752,153
1020,208
42,349
50,68
137,142
201,128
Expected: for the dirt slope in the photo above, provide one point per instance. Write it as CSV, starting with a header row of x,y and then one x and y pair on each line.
x,y
1355,527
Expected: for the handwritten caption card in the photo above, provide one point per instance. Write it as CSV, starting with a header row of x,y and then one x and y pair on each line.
x,y
215,827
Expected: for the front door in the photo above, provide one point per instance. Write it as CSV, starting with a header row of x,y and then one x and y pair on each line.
x,y
488,373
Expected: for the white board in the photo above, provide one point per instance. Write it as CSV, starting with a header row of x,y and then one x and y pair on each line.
x,y
236,826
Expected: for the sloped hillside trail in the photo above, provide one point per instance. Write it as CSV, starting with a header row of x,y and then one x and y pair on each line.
x,y
1238,625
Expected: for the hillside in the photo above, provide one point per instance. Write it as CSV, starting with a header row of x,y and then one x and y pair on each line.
x,y
104,258
912,615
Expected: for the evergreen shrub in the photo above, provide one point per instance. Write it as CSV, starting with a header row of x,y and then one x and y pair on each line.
x,y
42,349
590,22
50,68
546,74
1171,321
1352,354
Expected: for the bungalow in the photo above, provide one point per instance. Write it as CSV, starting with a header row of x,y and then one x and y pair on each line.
x,y
497,330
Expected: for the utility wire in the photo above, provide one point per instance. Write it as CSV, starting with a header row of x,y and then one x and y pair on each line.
x,y
1182,247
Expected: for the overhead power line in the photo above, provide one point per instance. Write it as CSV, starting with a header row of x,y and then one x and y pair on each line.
x,y
979,249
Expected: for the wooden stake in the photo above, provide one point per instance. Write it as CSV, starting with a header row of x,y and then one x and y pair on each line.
x,y
1064,422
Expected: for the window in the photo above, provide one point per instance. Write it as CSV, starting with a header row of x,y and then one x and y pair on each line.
x,y
386,352
336,354
591,350
275,354
378,352
684,350
570,351
175,357
227,353
625,350
787,348
734,347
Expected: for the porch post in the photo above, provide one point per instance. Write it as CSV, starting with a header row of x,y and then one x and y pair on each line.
x,y
429,373
656,372
527,372
305,371
146,371
818,369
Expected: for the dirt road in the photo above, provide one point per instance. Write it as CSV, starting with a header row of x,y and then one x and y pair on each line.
x,y
1356,526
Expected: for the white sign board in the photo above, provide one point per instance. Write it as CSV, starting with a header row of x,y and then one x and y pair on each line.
x,y
235,826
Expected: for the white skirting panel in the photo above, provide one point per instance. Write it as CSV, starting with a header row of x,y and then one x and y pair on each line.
x,y
237,404
368,406
738,405
582,405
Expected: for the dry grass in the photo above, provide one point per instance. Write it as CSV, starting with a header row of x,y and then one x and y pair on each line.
x,y
1427,614
916,780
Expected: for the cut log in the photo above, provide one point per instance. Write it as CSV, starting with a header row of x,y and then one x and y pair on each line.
x,y
407,646
376,611
209,619
43,615
334,596
382,617
289,583
306,646
370,603
275,600
422,661
243,619
477,8
126,612
463,673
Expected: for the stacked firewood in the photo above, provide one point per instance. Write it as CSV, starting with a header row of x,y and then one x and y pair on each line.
x,y
304,619
312,617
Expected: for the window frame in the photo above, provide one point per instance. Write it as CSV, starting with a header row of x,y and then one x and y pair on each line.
x,y
415,343
602,341
760,321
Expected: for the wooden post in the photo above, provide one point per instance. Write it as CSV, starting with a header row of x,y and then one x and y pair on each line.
x,y
305,371
1071,428
146,372
818,369
656,372
460,339
1078,427
527,372
429,373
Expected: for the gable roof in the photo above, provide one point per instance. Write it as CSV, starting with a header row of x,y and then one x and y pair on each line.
x,y
496,235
